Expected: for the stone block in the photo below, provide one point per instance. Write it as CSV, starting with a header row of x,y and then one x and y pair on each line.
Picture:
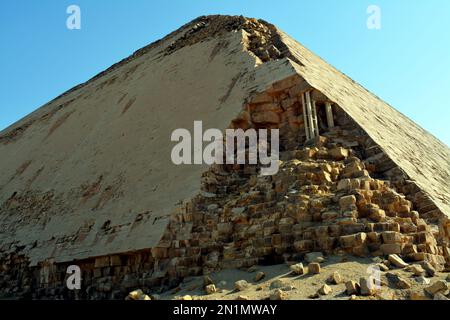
x,y
367,286
347,202
259,276
329,215
116,261
352,288
266,117
437,287
353,240
278,294
241,285
325,290
297,269
391,248
314,268
303,245
398,281
391,237
261,98
102,262
210,289
335,278
397,261
338,153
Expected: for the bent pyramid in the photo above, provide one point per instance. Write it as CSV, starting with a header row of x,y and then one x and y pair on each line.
x,y
87,179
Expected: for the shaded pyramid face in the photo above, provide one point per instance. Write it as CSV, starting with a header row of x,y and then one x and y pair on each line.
x,y
88,178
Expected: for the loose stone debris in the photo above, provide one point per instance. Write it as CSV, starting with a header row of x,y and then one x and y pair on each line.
x,y
335,278
241,285
298,269
325,290
259,276
314,268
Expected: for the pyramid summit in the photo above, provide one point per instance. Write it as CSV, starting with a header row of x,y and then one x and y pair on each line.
x,y
87,179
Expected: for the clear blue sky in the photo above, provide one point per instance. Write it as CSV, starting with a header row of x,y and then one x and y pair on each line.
x,y
406,63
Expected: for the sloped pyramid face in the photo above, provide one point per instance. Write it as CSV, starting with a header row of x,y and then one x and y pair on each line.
x,y
88,178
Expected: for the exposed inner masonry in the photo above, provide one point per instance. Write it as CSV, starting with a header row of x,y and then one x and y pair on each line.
x,y
336,192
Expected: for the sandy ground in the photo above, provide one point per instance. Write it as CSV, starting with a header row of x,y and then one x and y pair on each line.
x,y
297,287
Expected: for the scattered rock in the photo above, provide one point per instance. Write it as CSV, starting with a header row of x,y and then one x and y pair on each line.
x,y
242,298
382,267
259,276
338,153
402,283
384,295
325,290
314,296
335,278
418,295
314,257
186,297
210,289
298,269
136,295
241,285
399,282
397,261
431,271
417,270
367,286
352,287
278,295
440,296
437,287
422,280
288,288
314,268
277,284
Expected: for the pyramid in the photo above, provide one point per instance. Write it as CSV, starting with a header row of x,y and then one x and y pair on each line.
x,y
87,179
